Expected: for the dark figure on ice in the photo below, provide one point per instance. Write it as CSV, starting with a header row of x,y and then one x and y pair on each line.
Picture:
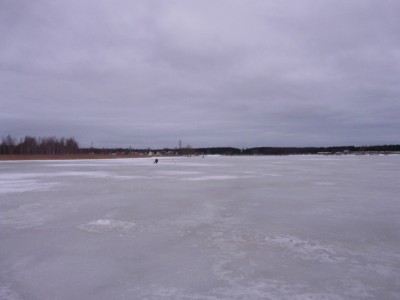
x,y
156,161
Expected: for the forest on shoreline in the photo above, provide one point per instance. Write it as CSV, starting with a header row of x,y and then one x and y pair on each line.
x,y
69,146
43,145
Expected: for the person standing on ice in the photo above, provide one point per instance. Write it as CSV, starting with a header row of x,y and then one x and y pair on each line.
x,y
156,161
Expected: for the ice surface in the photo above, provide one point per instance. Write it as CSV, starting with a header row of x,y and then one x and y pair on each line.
x,y
104,225
295,227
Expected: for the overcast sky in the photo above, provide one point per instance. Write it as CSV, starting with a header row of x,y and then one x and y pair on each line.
x,y
149,73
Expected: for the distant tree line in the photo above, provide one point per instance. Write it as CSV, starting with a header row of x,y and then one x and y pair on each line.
x,y
218,150
184,151
189,151
43,145
295,150
52,145
316,150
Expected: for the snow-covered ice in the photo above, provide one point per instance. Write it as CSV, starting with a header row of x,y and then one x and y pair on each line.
x,y
295,227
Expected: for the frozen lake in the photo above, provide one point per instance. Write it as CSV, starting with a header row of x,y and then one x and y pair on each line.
x,y
297,227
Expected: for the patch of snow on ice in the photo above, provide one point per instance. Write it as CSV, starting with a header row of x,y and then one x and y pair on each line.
x,y
106,225
261,289
324,183
179,172
25,216
305,249
215,177
272,289
94,174
18,176
193,164
7,293
128,177
19,186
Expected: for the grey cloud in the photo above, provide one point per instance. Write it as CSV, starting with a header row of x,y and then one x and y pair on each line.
x,y
148,73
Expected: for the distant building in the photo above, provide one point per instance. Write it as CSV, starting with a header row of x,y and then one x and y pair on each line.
x,y
324,153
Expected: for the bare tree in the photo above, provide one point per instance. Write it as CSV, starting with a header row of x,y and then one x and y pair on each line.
x,y
7,145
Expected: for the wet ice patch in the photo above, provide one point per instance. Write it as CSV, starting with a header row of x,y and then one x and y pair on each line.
x,y
106,225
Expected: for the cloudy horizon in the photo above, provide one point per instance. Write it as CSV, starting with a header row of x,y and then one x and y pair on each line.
x,y
209,73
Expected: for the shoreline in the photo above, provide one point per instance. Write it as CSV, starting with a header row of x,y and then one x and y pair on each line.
x,y
16,157
24,157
